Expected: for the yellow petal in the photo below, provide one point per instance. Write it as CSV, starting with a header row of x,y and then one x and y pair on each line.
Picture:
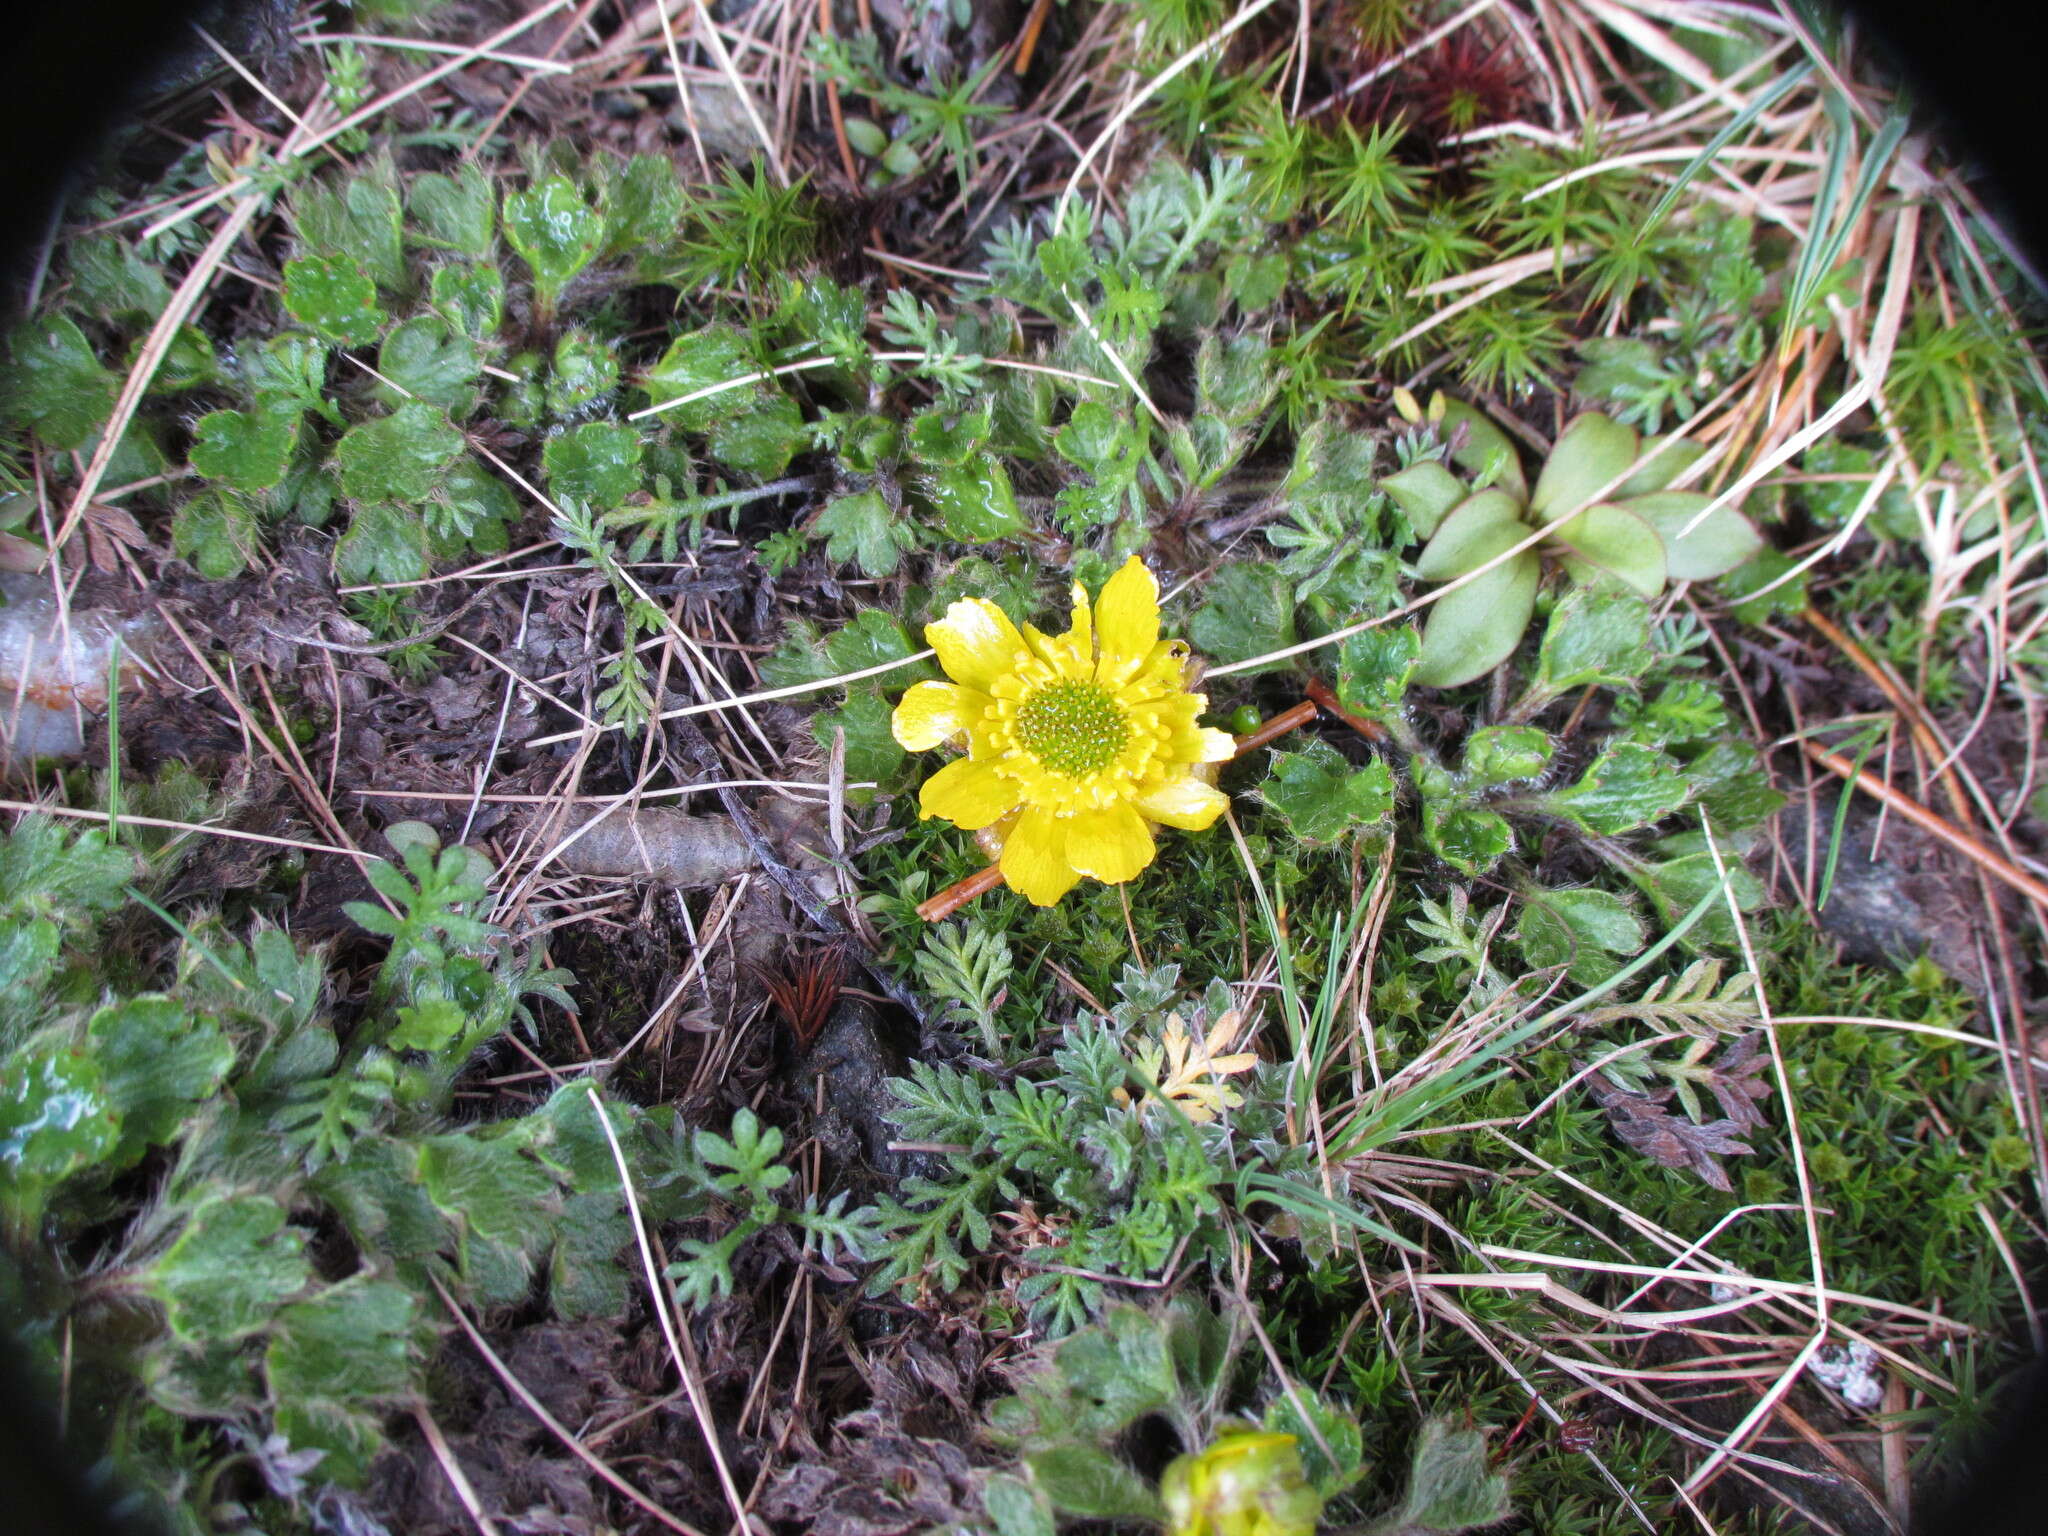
x,y
969,794
1213,746
1032,863
930,713
1081,633
1113,844
1127,620
1184,802
976,642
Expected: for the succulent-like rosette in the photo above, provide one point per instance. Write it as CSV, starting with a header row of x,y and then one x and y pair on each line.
x,y
1077,744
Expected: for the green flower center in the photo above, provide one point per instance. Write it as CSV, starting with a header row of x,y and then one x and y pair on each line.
x,y
1073,728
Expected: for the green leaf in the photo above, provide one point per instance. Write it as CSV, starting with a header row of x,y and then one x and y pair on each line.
x,y
289,372
216,531
762,440
1247,610
1621,370
1744,587
586,370
1843,473
1721,542
872,752
1331,1448
1594,637
473,504
974,502
862,529
1591,457
751,1157
157,1061
643,207
333,297
1501,754
333,1360
430,1025
1476,530
1015,1507
47,867
470,298
556,231
378,1195
55,385
457,213
328,1115
230,1269
595,465
701,360
585,1278
360,221
1611,542
383,543
1661,461
1332,462
1478,447
1375,668
1452,1486
1685,873
249,453
1097,439
110,281
1233,379
865,137
948,439
54,1121
1425,492
1589,931
400,457
1467,837
1629,785
871,639
493,1189
1089,1482
1256,281
1321,797
425,360
188,362
1473,629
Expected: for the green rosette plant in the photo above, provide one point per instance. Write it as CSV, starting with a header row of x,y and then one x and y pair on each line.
x,y
1604,501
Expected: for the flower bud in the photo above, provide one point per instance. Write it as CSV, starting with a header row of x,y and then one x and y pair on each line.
x,y
1248,1483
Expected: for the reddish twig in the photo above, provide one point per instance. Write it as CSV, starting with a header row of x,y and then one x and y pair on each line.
x,y
1320,695
1935,826
832,104
938,908
1027,41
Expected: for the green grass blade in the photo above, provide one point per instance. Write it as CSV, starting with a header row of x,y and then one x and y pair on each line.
x,y
1762,103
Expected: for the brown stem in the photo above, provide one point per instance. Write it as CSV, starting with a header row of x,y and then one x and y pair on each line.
x,y
1319,692
1269,730
832,104
1027,43
935,909
1936,826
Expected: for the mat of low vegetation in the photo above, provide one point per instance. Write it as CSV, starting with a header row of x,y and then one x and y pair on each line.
x,y
1224,767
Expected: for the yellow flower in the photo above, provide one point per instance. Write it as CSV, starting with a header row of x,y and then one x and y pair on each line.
x,y
1077,744
1249,1483
1179,1063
